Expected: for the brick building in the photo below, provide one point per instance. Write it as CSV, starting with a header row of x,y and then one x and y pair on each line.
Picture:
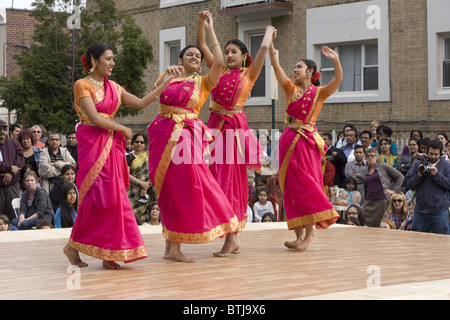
x,y
16,32
395,54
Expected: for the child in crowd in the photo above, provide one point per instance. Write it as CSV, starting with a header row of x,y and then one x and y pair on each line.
x,y
350,187
5,224
66,213
262,206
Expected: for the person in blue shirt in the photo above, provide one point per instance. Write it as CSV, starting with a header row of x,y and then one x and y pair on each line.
x,y
66,213
430,178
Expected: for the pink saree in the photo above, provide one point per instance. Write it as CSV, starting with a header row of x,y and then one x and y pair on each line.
x,y
105,227
235,146
300,149
193,207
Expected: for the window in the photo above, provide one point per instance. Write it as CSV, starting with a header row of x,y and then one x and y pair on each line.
x,y
259,89
446,64
252,34
360,65
172,3
171,41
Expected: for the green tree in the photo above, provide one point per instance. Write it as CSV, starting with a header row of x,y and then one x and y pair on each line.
x,y
43,90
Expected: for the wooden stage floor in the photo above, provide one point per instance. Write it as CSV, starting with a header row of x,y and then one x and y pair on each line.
x,y
344,263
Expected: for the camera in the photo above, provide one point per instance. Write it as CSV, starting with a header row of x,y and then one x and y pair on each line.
x,y
424,169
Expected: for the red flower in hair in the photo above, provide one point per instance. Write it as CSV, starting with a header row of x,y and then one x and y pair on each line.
x,y
249,61
85,62
315,77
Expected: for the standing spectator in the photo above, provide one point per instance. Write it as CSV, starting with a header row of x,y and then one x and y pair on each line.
x,y
336,157
11,162
52,160
386,154
384,132
357,169
72,145
423,145
342,141
351,137
430,178
31,154
366,138
14,131
380,182
417,134
373,128
407,160
36,130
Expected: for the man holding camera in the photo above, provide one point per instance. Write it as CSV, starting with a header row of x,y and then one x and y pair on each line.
x,y
430,178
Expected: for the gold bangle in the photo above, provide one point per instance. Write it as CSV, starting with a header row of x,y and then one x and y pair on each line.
x,y
215,44
155,86
273,52
157,97
114,125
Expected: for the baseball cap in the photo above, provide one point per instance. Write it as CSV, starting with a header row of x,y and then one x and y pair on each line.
x,y
3,123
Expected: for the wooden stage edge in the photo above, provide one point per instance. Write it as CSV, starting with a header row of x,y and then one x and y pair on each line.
x,y
344,263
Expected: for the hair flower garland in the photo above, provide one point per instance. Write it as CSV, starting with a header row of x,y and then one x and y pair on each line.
x,y
85,62
315,77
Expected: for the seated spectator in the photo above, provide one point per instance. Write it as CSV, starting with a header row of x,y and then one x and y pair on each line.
x,y
386,155
268,217
5,224
68,173
67,212
43,224
380,182
52,160
387,224
352,221
261,183
262,206
417,134
407,224
355,212
398,209
382,133
35,204
350,187
273,184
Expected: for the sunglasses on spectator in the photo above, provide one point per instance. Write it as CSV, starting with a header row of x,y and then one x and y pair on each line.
x,y
140,142
397,200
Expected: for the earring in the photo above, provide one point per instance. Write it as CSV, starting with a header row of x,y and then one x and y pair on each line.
x,y
92,64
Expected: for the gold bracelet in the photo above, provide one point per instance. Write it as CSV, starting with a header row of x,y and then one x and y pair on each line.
x,y
273,52
215,44
157,97
155,86
114,125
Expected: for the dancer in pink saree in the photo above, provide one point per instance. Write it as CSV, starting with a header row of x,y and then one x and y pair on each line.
x,y
105,227
301,148
235,147
193,207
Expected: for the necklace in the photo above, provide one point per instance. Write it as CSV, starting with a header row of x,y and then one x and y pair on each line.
x,y
97,83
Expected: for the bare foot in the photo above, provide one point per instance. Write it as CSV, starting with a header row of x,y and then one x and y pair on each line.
x,y
292,244
305,243
74,256
110,265
173,252
231,245
167,250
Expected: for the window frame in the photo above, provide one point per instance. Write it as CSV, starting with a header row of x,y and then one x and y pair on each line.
x,y
168,37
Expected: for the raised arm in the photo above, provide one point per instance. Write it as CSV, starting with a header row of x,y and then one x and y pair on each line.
x,y
201,38
258,61
216,67
334,84
279,72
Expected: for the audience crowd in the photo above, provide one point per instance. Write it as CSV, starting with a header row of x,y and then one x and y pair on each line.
x,y
371,182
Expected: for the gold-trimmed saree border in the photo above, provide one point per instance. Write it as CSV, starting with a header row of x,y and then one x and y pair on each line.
x,y
321,220
205,237
128,255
